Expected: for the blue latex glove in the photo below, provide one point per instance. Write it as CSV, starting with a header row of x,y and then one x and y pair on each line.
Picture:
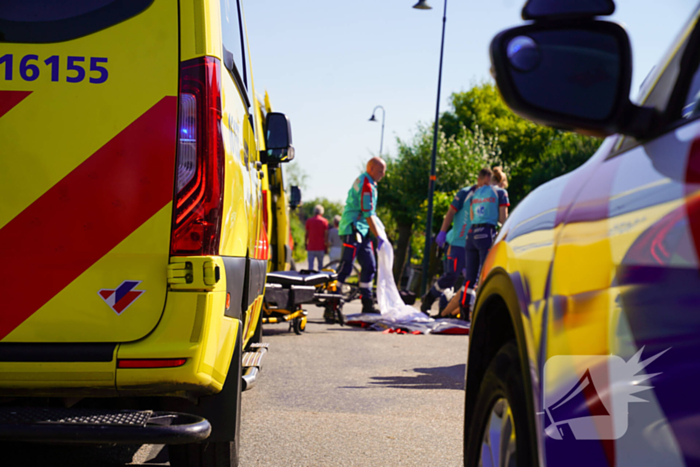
x,y
380,242
441,238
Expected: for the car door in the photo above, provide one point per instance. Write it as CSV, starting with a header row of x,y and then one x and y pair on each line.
x,y
624,289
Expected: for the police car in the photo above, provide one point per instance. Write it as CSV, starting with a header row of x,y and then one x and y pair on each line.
x,y
584,345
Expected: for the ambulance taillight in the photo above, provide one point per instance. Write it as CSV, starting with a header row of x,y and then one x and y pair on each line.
x,y
199,196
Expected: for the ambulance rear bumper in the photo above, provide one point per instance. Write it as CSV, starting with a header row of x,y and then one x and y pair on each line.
x,y
90,426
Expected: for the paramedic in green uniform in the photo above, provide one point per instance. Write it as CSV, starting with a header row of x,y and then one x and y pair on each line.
x,y
357,221
488,207
456,238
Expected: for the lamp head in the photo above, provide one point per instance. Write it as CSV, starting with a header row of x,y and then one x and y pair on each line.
x,y
422,5
372,118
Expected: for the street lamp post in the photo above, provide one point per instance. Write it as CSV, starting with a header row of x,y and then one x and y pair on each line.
x,y
422,5
373,119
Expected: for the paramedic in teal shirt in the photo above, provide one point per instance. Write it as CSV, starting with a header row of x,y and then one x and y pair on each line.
x,y
488,207
357,221
456,238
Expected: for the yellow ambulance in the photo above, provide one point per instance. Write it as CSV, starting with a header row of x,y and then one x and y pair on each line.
x,y
131,223
278,204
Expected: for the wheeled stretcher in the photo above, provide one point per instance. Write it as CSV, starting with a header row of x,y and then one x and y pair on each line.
x,y
287,291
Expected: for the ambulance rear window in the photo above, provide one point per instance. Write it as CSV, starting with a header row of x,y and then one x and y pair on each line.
x,y
42,21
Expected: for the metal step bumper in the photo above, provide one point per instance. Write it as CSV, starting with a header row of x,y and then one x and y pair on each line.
x,y
96,426
252,364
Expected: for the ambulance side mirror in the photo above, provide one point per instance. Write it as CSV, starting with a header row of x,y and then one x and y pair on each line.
x,y
278,139
295,197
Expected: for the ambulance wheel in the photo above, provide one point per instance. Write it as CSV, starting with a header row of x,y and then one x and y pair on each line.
x,y
499,425
223,410
296,326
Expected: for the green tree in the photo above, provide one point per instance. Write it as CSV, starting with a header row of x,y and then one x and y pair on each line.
x,y
298,235
478,130
566,154
331,208
404,190
527,149
295,175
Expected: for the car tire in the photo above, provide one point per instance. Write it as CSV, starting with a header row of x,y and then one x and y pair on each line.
x,y
219,452
501,407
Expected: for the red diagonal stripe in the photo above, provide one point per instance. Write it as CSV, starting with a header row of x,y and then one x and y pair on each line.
x,y
106,293
87,213
9,99
127,300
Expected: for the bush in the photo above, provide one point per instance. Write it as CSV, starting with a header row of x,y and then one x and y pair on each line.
x,y
298,235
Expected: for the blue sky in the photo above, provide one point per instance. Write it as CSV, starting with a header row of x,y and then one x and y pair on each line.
x,y
327,64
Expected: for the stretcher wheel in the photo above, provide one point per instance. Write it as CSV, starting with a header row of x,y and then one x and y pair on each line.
x,y
296,326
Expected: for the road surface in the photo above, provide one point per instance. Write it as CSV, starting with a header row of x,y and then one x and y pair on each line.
x,y
334,396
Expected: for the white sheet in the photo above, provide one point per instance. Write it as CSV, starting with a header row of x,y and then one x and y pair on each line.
x,y
390,303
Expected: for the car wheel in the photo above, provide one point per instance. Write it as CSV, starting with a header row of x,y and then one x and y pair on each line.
x,y
497,434
223,451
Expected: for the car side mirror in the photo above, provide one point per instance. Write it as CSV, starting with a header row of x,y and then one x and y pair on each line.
x,y
278,139
559,9
570,74
295,197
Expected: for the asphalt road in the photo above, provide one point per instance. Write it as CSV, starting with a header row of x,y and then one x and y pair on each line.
x,y
335,396
344,396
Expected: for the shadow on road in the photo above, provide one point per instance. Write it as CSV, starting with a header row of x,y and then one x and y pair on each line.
x,y
47,455
446,377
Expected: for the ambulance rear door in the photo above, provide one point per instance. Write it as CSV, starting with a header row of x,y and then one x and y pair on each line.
x,y
88,125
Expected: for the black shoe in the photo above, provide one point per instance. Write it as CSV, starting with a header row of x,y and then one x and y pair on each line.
x,y
368,306
426,302
465,313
